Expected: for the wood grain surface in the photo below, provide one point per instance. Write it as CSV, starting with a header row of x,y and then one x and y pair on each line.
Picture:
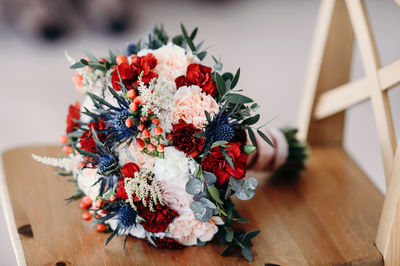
x,y
329,217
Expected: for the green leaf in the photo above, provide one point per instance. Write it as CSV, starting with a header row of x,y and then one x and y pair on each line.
x,y
235,79
201,55
84,61
227,75
208,116
214,193
252,120
246,252
249,148
265,138
227,250
178,40
218,65
229,235
252,137
242,220
187,38
86,153
194,33
220,84
228,158
114,233
118,97
101,101
113,57
238,98
77,65
91,56
219,143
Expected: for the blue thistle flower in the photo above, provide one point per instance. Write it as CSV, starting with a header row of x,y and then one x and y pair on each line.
x,y
118,122
130,48
107,164
220,129
127,216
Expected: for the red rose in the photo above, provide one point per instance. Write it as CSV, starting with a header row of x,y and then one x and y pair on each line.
x,y
74,113
158,221
199,75
215,162
184,140
128,170
130,73
87,141
167,242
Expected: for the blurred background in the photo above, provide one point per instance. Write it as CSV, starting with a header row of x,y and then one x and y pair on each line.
x,y
269,39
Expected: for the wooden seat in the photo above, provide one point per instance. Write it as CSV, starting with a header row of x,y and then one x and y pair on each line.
x,y
329,217
333,214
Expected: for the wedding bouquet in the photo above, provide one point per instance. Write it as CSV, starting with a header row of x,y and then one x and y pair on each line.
x,y
159,147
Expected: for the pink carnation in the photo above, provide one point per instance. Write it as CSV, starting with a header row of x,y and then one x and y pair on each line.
x,y
175,197
190,104
186,229
172,62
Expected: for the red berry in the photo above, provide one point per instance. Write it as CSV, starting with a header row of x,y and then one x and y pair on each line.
x,y
128,123
101,227
63,139
140,144
143,119
82,206
102,60
158,131
67,149
86,216
98,204
133,106
131,94
155,121
146,134
112,198
121,59
81,164
150,147
86,201
141,127
168,136
160,148
138,100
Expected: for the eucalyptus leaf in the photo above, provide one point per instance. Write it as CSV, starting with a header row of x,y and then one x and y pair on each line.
x,y
210,178
252,137
229,235
219,143
246,252
193,186
77,65
187,38
249,149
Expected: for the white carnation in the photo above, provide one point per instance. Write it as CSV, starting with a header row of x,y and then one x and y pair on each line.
x,y
86,179
175,168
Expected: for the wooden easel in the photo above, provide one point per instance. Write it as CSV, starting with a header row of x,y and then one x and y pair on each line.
x,y
328,93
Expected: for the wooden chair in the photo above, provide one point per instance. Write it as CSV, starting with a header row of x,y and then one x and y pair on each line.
x,y
333,215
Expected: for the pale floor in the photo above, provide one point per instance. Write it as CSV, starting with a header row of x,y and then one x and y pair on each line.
x,y
269,40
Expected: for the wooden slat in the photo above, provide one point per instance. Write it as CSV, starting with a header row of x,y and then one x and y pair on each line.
x,y
329,217
312,75
388,237
327,70
379,99
355,92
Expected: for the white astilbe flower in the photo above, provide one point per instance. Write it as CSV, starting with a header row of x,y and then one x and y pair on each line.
x,y
158,97
145,188
69,164
93,80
